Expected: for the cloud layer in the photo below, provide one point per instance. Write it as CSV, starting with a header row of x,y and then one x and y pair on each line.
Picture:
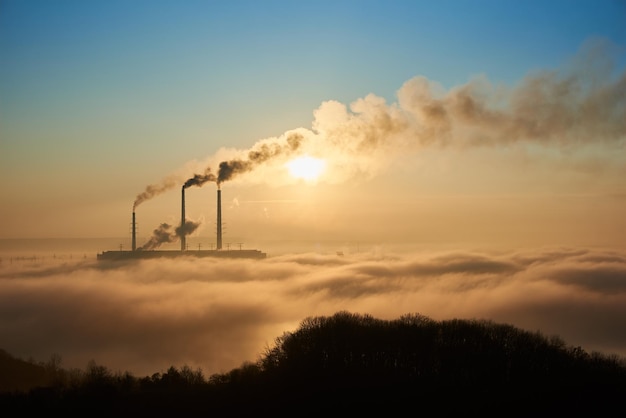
x,y
215,314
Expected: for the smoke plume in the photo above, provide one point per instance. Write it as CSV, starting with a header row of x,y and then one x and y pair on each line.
x,y
199,179
260,153
187,229
163,234
153,190
563,110
160,235
579,106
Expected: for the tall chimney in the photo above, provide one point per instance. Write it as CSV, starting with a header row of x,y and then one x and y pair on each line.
x,y
134,233
219,218
183,240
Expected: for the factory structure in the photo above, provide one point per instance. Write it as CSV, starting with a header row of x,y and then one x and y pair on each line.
x,y
140,253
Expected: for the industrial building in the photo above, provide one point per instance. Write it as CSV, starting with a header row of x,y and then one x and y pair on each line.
x,y
139,253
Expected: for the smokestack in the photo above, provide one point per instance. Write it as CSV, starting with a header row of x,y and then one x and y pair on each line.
x,y
183,241
134,233
219,218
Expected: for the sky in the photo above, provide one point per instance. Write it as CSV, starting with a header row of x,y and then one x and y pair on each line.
x,y
100,100
470,161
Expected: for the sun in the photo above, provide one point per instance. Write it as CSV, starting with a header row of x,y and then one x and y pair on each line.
x,y
306,167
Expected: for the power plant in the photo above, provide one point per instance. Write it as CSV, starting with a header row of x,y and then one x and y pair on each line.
x,y
181,232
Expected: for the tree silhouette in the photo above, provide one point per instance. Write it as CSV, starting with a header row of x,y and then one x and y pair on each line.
x,y
355,364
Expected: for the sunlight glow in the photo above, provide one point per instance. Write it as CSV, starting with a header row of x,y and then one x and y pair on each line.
x,y
306,167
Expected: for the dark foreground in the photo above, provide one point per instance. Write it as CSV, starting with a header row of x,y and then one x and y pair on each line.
x,y
348,364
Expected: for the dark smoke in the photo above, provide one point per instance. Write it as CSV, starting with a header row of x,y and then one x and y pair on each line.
x,y
160,236
154,189
258,155
199,179
582,105
229,169
187,228
163,234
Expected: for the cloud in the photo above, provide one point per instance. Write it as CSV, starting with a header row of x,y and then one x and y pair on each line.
x,y
216,313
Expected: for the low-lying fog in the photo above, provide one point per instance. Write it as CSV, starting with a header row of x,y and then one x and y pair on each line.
x,y
214,314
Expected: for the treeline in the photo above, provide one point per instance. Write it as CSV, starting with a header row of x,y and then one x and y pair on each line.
x,y
353,363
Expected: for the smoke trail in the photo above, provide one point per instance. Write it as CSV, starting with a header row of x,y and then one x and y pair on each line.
x,y
188,228
199,179
154,190
563,108
163,234
160,236
544,108
580,106
262,152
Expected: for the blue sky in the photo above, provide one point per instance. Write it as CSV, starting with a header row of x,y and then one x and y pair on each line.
x,y
117,94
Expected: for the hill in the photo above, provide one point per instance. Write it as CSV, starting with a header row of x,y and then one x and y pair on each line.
x,y
20,375
354,364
